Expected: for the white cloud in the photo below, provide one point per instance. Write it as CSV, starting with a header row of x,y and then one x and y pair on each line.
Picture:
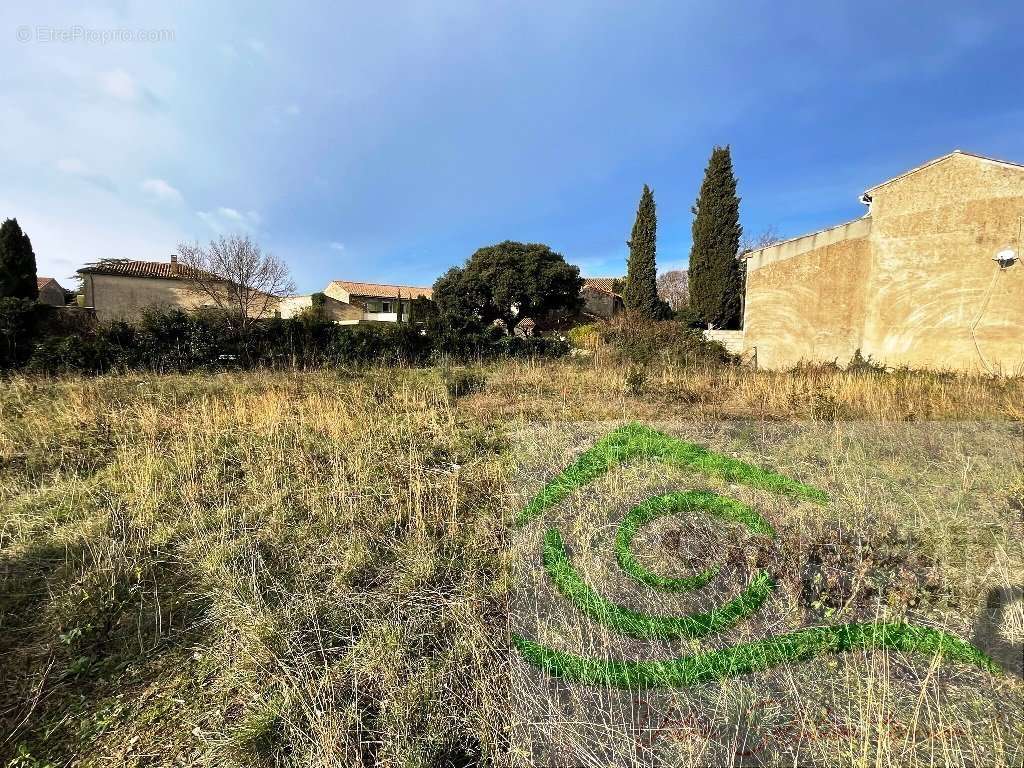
x,y
226,220
161,190
257,46
292,109
120,85
336,246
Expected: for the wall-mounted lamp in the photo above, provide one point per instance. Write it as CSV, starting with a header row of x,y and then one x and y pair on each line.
x,y
1006,257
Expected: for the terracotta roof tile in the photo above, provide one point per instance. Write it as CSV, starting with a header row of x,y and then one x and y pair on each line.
x,y
42,282
161,270
383,290
602,283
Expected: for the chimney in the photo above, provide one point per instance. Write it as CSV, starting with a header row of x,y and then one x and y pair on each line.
x,y
174,265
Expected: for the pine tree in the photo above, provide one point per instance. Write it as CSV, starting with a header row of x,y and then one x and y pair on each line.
x,y
641,292
17,263
716,281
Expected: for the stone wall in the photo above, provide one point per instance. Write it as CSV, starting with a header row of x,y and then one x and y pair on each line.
x,y
731,340
334,310
52,294
600,303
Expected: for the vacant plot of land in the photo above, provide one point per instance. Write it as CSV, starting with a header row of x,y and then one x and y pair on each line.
x,y
920,529
323,568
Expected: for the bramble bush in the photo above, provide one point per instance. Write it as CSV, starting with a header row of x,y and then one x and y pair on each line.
x,y
643,342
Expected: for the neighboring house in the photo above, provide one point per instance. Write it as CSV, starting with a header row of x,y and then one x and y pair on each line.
x,y
377,302
124,289
600,298
50,292
337,311
930,277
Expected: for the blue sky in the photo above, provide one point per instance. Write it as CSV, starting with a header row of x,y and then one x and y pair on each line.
x,y
388,141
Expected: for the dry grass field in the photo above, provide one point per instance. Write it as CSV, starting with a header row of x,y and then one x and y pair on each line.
x,y
320,569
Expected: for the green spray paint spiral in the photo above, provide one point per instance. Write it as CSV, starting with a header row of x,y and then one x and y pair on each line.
x,y
635,441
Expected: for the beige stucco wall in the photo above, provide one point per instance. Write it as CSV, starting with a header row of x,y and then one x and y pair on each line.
x,y
808,303
905,285
934,235
125,298
336,311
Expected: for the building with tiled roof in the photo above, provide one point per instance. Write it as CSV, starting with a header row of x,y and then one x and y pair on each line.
x,y
603,283
600,299
122,289
157,270
50,292
379,302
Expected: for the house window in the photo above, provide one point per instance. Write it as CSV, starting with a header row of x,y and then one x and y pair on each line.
x,y
373,306
386,306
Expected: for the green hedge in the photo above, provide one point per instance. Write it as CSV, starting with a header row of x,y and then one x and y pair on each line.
x,y
177,341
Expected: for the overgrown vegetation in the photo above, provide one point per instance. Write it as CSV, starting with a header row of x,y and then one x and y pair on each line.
x,y
166,341
507,282
244,570
315,567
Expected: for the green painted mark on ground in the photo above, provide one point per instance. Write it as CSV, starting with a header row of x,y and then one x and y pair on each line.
x,y
637,441
752,657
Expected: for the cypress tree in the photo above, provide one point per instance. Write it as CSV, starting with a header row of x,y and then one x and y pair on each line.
x,y
641,292
17,263
716,281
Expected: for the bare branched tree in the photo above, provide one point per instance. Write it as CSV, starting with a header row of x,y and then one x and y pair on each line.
x,y
237,276
768,236
674,288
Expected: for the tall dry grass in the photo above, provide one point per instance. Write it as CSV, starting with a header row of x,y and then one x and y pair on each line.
x,y
243,569
316,568
603,387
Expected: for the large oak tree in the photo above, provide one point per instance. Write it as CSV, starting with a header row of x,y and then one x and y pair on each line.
x,y
507,282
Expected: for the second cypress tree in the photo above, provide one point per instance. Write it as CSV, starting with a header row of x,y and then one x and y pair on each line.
x,y
716,280
641,292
